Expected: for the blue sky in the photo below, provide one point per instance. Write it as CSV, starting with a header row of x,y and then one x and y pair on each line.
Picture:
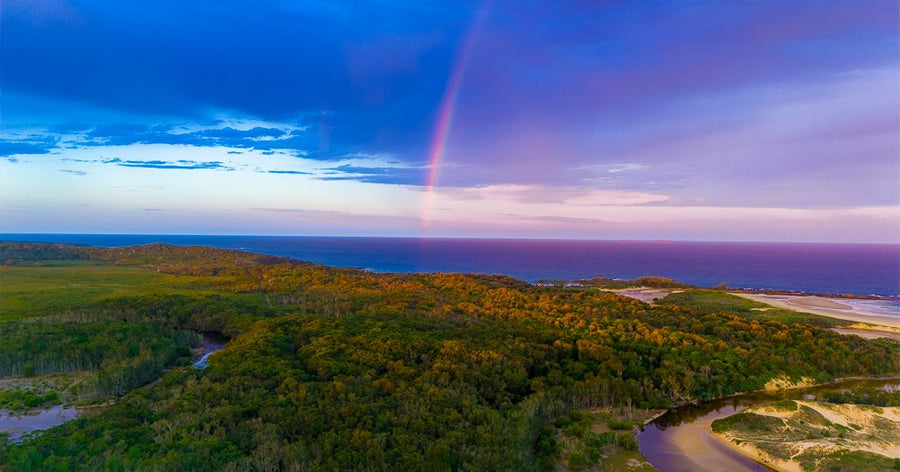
x,y
771,121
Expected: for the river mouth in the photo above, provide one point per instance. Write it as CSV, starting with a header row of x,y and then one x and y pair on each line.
x,y
681,440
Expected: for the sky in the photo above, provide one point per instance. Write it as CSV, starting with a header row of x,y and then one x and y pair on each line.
x,y
741,121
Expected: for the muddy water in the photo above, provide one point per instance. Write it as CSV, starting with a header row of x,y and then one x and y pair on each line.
x,y
17,425
681,441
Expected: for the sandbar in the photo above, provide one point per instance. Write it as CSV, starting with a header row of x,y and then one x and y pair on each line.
x,y
645,294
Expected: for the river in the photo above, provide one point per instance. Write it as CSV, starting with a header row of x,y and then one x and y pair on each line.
x,y
680,440
211,342
17,425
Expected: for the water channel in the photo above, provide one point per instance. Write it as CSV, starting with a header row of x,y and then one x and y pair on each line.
x,y
20,424
211,342
16,425
681,440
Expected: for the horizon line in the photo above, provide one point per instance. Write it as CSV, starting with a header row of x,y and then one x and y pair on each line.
x,y
473,238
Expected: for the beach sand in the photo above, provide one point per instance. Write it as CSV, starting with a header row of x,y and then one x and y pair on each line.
x,y
868,333
645,294
843,309
876,432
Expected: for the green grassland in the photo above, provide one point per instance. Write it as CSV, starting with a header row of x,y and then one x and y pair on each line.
x,y
338,369
39,290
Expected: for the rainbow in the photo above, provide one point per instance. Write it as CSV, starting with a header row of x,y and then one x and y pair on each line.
x,y
447,110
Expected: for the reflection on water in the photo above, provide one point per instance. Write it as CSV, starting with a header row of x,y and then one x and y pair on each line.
x,y
680,440
18,425
683,442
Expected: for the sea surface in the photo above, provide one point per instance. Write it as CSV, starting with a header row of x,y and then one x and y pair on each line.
x,y
859,269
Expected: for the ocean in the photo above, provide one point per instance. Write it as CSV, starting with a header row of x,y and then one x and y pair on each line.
x,y
859,269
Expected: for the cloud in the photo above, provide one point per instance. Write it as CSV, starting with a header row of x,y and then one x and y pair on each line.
x,y
375,169
612,168
555,220
302,211
293,172
15,147
75,172
181,164
545,194
124,134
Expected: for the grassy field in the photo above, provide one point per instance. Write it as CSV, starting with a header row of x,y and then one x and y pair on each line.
x,y
38,290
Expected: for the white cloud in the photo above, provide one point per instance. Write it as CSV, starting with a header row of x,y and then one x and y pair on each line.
x,y
563,195
612,168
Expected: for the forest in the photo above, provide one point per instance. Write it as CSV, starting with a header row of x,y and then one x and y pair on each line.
x,y
342,369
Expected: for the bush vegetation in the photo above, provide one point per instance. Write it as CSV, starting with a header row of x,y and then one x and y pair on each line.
x,y
338,369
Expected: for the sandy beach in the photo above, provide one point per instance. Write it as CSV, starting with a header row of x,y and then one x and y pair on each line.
x,y
755,454
840,308
646,294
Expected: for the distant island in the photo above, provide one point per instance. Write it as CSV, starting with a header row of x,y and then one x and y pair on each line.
x,y
308,367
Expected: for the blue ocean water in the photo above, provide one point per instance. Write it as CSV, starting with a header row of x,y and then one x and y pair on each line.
x,y
860,269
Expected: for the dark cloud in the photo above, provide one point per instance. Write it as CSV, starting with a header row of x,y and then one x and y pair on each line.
x,y
370,77
280,61
548,87
124,134
293,172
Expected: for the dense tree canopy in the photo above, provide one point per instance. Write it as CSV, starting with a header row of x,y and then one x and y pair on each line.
x,y
337,369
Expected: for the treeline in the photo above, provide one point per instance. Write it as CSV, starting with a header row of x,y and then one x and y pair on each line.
x,y
196,260
335,369
119,355
600,281
13,253
863,396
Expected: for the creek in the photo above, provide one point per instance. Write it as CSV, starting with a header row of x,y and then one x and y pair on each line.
x,y
19,424
211,342
681,439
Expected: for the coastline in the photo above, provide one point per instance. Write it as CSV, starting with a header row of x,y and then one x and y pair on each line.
x,y
839,308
